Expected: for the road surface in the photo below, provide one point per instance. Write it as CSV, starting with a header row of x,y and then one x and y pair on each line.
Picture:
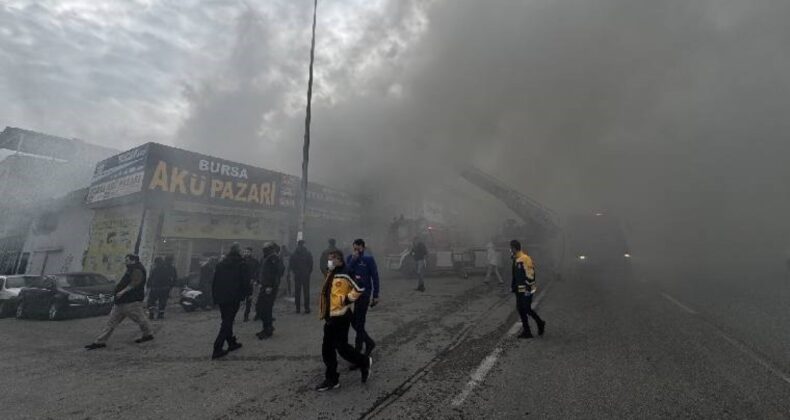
x,y
615,347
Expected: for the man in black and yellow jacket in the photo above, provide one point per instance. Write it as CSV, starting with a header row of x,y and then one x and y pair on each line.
x,y
524,286
338,294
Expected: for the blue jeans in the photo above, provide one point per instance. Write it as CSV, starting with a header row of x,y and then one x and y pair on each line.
x,y
422,265
358,323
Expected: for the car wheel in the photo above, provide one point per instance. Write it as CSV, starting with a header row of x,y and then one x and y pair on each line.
x,y
54,312
20,311
3,309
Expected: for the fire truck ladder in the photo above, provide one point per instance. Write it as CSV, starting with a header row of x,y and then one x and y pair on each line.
x,y
528,209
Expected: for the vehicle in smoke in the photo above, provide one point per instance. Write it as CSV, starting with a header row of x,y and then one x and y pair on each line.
x,y
191,298
59,296
10,286
445,256
597,242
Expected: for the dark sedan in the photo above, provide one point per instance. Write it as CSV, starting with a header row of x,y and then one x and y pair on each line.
x,y
65,295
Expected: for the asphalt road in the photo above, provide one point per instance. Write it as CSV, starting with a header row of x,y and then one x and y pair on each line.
x,y
638,346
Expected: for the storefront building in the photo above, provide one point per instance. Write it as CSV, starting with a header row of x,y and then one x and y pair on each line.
x,y
157,200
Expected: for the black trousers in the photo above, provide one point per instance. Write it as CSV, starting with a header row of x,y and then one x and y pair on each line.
x,y
157,298
266,307
336,341
228,313
248,307
302,289
360,317
524,308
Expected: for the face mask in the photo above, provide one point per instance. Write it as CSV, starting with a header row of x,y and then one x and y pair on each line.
x,y
330,264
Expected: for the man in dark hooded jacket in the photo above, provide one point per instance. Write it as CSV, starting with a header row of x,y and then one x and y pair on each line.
x,y
206,282
230,287
271,271
159,284
301,265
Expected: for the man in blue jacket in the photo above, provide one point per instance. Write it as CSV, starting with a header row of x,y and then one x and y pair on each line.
x,y
362,268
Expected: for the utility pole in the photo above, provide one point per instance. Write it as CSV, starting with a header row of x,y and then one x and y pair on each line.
x,y
306,147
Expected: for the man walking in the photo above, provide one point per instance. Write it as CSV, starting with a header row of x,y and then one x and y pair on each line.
x,y
285,257
523,285
338,292
129,296
492,258
271,271
207,281
252,269
325,256
362,269
301,265
419,252
160,282
231,285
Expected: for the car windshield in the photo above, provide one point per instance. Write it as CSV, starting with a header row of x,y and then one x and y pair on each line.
x,y
19,281
80,280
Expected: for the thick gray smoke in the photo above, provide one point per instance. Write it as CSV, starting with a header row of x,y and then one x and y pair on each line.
x,y
668,113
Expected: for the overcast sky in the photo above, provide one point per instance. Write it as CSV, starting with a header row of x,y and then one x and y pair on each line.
x,y
672,112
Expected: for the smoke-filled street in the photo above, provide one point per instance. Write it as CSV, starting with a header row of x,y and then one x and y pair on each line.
x,y
615,346
394,209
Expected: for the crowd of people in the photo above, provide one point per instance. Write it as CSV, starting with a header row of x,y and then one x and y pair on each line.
x,y
351,286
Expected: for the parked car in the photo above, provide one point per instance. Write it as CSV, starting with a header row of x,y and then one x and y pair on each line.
x,y
10,286
64,295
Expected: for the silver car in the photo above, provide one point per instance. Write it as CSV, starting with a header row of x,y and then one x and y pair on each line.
x,y
10,286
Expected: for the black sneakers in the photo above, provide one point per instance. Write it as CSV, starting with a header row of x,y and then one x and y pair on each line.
x,y
94,346
541,328
525,334
263,335
327,385
366,370
234,346
144,338
218,354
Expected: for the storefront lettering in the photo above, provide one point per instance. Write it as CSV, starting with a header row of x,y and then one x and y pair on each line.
x,y
174,180
222,169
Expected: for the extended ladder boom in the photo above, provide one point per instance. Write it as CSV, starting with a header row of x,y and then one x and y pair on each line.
x,y
529,210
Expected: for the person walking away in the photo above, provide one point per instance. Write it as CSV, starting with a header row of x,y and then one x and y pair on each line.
x,y
492,259
271,271
523,286
207,281
129,296
419,252
172,273
231,285
301,265
362,269
338,293
325,256
252,269
160,282
285,257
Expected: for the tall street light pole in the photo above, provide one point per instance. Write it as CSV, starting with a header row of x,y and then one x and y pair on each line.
x,y
306,147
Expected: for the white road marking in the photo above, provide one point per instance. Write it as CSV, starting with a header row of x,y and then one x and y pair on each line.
x,y
478,375
680,305
735,343
762,362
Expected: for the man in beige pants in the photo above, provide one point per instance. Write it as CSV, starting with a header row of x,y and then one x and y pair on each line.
x,y
129,296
